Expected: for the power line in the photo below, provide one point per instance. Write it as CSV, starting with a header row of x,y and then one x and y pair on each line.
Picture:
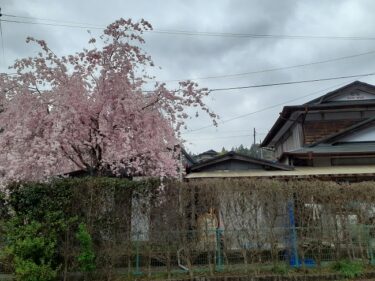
x,y
48,19
277,84
258,36
231,131
280,83
226,137
223,137
265,108
52,24
191,33
291,82
272,69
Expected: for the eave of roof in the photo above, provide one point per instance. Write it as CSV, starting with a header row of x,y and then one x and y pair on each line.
x,y
237,156
360,149
299,173
187,155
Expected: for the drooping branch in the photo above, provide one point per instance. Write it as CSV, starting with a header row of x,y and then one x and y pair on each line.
x,y
70,157
157,99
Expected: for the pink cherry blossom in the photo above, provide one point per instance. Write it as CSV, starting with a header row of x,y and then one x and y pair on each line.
x,y
88,111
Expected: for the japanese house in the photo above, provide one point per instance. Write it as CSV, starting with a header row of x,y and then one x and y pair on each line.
x,y
336,129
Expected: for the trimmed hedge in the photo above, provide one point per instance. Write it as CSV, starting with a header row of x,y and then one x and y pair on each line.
x,y
44,224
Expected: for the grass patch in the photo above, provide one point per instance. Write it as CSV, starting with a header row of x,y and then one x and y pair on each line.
x,y
349,269
280,268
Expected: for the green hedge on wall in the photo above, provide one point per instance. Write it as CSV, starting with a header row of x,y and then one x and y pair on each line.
x,y
42,223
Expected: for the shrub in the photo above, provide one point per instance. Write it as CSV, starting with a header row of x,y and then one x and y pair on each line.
x,y
27,270
349,269
86,257
41,234
33,251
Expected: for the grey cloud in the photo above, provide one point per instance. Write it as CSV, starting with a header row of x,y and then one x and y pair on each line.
x,y
184,57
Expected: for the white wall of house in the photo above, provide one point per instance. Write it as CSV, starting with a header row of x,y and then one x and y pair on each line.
x,y
367,134
140,217
354,95
293,139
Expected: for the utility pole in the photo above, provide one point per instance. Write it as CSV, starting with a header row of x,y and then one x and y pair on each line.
x,y
254,135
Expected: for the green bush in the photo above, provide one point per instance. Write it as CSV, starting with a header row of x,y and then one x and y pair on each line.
x,y
32,250
43,235
86,257
27,270
34,233
349,269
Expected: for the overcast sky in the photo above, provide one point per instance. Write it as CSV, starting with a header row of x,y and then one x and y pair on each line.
x,y
182,57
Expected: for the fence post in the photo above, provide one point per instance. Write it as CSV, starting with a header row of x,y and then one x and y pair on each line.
x,y
219,256
293,259
137,257
370,241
